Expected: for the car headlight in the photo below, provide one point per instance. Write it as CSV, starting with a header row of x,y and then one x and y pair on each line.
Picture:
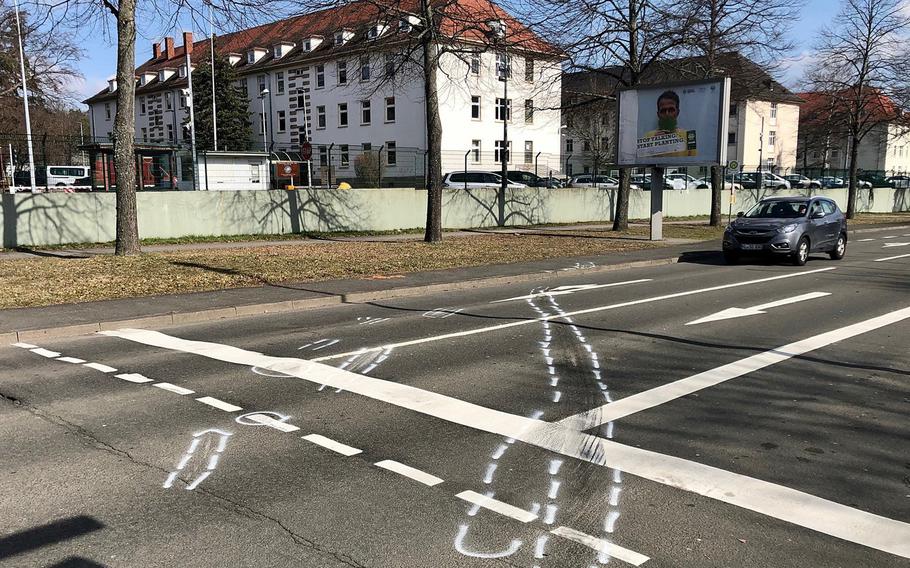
x,y
788,228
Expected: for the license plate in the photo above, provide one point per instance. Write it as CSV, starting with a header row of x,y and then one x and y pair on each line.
x,y
751,247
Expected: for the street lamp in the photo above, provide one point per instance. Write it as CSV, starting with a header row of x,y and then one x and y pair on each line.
x,y
265,138
498,32
28,122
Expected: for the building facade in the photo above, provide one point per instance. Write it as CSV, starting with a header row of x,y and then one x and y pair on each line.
x,y
342,81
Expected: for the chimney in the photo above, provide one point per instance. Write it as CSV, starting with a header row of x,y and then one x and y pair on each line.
x,y
188,41
156,50
169,47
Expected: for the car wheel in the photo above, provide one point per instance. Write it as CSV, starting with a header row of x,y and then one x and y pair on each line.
x,y
731,257
802,252
840,248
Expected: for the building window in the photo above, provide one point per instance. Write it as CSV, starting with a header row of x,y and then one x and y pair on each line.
x,y
570,145
772,137
475,64
342,114
364,67
569,169
141,105
503,109
254,173
475,151
107,111
342,71
245,88
365,114
279,82
529,111
170,132
345,156
586,146
733,109
390,109
182,100
339,38
731,138
168,101
391,153
320,76
320,117
835,152
773,111
145,135
529,151
262,83
301,135
366,147
475,107
390,65
282,121
503,66
529,70
497,151
323,155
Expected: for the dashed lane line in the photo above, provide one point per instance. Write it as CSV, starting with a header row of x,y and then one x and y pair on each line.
x,y
134,378
219,404
100,367
497,506
892,257
410,472
272,423
25,345
173,388
331,444
562,315
45,352
601,545
73,360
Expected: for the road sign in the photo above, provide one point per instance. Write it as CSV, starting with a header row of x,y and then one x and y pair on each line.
x,y
306,151
733,165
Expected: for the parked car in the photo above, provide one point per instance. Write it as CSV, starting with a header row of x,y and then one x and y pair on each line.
x,y
899,181
474,180
749,180
644,182
788,226
801,181
682,181
532,180
590,180
875,180
829,182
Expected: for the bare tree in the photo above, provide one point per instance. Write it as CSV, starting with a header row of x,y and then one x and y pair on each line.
x,y
757,29
589,121
861,64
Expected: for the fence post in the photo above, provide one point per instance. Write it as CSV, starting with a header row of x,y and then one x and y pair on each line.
x,y
466,154
329,184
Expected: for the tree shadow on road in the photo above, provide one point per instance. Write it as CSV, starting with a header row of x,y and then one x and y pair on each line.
x,y
47,535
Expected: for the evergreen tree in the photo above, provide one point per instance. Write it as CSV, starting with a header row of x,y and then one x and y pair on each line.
x,y
232,108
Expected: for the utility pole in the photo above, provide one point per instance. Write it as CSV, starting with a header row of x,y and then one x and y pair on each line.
x,y
212,54
28,121
189,80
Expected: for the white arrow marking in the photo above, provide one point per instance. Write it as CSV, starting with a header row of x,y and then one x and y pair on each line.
x,y
562,290
731,313
889,245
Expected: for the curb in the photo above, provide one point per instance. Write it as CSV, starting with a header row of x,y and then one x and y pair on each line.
x,y
233,312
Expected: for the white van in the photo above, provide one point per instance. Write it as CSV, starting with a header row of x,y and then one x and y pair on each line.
x,y
66,175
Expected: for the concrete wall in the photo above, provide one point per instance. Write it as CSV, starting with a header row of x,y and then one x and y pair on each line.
x,y
61,218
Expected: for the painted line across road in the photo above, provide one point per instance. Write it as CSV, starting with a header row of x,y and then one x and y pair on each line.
x,y
497,506
601,545
777,501
331,444
410,472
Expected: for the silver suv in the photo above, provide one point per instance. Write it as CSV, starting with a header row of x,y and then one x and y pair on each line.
x,y
788,226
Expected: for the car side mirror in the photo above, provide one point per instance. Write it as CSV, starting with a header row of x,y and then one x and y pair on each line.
x,y
740,214
817,215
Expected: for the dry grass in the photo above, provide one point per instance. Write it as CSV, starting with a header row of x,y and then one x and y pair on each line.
x,y
47,281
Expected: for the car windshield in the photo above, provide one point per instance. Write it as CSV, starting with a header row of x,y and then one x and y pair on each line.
x,y
777,209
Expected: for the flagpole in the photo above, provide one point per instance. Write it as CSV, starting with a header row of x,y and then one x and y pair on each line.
x,y
28,121
214,111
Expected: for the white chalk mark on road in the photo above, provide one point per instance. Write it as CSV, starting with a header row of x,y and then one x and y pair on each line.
x,y
459,546
331,444
731,313
892,257
410,472
766,498
173,388
100,367
210,464
600,545
563,290
219,404
134,378
45,353
72,360
497,506
567,314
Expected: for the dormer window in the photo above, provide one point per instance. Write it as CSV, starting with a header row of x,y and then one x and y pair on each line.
x,y
282,49
376,31
165,74
234,58
311,43
111,85
146,78
407,23
343,36
255,54
181,72
339,38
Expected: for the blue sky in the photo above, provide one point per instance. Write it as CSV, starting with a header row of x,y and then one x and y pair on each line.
x,y
99,62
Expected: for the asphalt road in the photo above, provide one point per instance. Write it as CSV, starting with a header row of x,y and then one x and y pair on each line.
x,y
594,424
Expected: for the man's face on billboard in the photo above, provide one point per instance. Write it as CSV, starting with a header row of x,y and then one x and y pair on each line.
x,y
667,113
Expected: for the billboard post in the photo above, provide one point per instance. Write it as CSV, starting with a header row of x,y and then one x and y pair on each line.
x,y
672,125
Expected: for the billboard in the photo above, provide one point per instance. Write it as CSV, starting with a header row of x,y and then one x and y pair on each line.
x,y
674,124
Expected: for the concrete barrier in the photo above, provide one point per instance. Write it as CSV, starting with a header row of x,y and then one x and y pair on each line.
x,y
67,218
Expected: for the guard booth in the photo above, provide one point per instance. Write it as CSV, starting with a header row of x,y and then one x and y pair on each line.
x,y
156,166
233,171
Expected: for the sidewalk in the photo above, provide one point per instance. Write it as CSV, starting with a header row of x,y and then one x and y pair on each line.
x,y
26,324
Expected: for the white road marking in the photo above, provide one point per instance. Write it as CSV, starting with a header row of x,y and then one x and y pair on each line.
x,y
219,404
72,360
100,367
173,388
683,387
563,290
497,506
890,237
134,378
600,545
769,499
410,472
865,240
331,444
731,313
892,257
566,314
892,245
45,352
198,480
272,422
25,345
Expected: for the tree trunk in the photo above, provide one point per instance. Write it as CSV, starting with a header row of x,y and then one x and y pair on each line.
x,y
433,232
851,192
125,131
621,215
717,188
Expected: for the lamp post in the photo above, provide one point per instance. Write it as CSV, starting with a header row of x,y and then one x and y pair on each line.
x,y
28,122
212,69
498,31
265,137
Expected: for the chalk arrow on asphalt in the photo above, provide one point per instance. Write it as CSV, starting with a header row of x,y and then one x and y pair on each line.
x,y
731,313
888,245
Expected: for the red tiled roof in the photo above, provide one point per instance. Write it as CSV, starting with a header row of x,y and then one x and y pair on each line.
x,y
464,20
820,107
